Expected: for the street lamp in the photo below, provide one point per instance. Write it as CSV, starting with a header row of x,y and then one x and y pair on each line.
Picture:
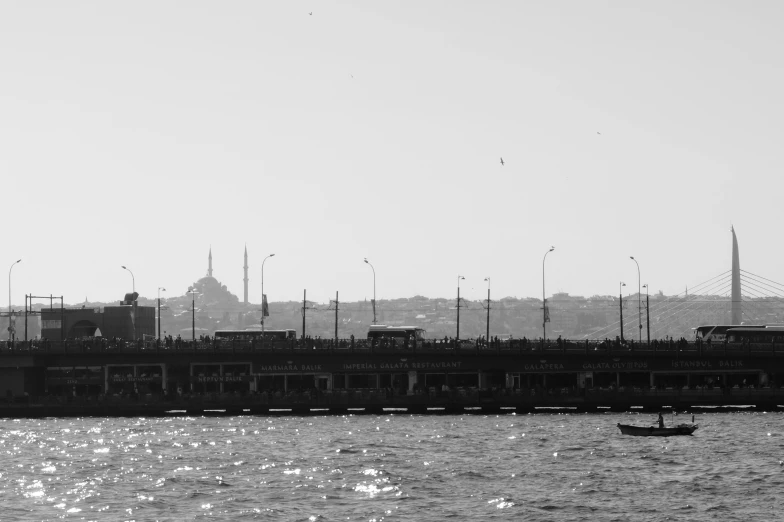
x,y
193,293
487,334
264,305
133,279
457,339
545,314
374,289
132,303
10,318
620,291
159,311
639,291
647,314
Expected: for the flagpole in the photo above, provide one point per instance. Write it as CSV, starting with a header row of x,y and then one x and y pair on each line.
x,y
545,315
264,310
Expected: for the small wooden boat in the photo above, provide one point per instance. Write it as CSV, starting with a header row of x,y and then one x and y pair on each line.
x,y
651,431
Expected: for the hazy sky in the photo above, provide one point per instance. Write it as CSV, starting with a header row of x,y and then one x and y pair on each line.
x,y
142,133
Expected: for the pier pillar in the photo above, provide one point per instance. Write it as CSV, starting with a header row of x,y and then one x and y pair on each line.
x,y
412,380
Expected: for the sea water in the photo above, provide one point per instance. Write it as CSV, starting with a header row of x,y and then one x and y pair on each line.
x,y
391,467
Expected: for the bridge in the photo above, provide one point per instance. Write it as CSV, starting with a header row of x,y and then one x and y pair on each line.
x,y
284,377
734,297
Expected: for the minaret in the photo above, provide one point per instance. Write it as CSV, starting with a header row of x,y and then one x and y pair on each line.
x,y
246,274
209,270
737,312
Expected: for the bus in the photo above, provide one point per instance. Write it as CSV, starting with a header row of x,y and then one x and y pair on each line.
x,y
379,331
717,333
765,334
251,334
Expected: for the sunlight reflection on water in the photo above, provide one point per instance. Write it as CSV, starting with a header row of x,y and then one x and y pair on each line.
x,y
566,466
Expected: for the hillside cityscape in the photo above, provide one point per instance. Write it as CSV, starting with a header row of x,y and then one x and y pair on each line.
x,y
212,307
208,305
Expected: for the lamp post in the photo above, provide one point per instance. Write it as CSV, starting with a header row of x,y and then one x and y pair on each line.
x,y
639,291
264,306
159,311
193,293
133,279
545,315
487,334
620,291
374,289
457,338
647,314
10,318
133,303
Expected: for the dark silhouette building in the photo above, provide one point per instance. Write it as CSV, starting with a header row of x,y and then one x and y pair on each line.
x,y
126,321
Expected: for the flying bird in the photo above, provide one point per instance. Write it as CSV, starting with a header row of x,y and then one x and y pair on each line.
x,y
311,13
502,162
599,133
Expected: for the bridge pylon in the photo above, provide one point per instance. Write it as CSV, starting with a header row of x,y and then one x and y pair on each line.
x,y
737,311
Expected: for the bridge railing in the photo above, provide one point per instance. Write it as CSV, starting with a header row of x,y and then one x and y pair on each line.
x,y
430,346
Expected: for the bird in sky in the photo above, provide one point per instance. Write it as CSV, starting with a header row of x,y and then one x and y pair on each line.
x,y
599,133
311,13
502,162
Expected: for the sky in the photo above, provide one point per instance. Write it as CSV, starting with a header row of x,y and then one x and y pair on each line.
x,y
145,133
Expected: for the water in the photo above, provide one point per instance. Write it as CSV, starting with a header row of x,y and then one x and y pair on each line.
x,y
395,467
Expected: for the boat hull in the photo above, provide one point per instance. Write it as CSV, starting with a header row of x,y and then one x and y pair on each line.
x,y
651,431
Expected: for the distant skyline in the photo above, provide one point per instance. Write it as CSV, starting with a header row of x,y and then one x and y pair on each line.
x,y
142,134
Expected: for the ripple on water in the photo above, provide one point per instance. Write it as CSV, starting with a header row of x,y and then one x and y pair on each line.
x,y
375,467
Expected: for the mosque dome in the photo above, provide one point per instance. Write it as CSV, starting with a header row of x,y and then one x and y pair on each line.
x,y
213,291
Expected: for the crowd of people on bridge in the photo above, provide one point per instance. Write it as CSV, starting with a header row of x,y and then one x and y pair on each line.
x,y
308,342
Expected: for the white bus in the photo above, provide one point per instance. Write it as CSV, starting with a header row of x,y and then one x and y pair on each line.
x,y
717,333
255,334
380,331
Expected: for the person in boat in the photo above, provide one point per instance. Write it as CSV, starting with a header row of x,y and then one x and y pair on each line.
x,y
661,420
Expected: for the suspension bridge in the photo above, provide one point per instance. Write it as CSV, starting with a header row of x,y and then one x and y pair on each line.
x,y
734,297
